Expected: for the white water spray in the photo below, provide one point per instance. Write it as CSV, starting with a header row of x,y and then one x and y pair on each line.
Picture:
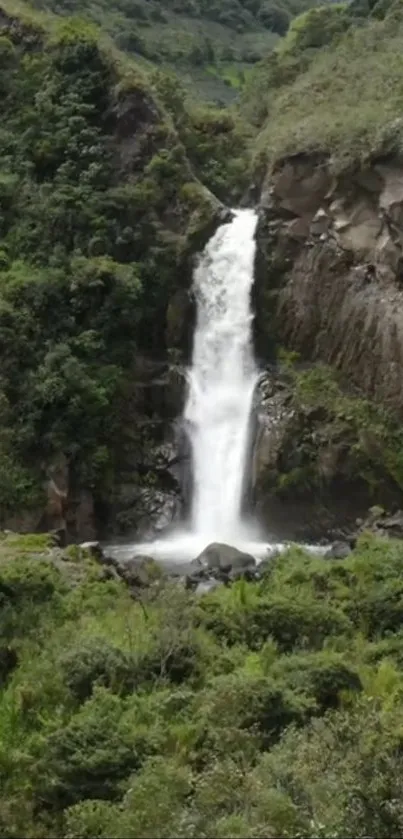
x,y
222,380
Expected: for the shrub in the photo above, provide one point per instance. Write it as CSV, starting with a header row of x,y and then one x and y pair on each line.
x,y
152,808
97,663
324,676
292,624
316,27
90,756
342,772
249,702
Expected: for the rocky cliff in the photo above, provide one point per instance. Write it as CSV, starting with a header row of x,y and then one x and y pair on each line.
x,y
329,286
329,273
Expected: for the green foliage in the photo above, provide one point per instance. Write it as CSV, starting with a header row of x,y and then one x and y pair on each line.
x,y
99,737
90,254
303,100
321,675
97,663
291,624
363,440
91,755
316,28
215,140
208,44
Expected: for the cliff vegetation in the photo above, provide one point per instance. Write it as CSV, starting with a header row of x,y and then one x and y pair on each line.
x,y
101,208
310,95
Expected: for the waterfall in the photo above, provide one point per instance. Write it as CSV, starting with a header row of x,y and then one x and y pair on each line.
x,y
222,380
217,415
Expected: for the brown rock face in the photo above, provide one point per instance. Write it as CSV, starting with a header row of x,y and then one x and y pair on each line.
x,y
330,270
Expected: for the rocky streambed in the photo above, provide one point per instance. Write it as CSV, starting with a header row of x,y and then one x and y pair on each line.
x,y
221,564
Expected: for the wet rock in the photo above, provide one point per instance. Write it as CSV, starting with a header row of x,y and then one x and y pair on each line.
x,y
382,524
108,573
180,312
155,511
245,573
94,549
196,573
266,564
158,388
339,550
305,480
59,537
140,571
80,516
206,586
274,415
192,581
222,558
374,514
57,490
393,525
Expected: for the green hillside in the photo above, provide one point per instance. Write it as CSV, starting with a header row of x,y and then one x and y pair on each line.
x,y
211,45
333,85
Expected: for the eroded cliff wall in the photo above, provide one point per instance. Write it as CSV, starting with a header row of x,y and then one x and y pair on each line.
x,y
330,270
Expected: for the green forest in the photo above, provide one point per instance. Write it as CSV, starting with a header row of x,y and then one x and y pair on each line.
x,y
266,708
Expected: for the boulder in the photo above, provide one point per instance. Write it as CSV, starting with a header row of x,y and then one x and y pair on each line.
x,y
206,586
339,550
225,559
378,522
140,571
245,573
393,525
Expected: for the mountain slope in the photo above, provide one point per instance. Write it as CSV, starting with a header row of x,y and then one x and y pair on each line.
x,y
339,94
209,44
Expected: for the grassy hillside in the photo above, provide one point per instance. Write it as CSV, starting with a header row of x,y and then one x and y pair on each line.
x,y
339,93
268,709
211,45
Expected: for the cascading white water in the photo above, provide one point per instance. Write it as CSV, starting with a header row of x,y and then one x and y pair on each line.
x,y
222,380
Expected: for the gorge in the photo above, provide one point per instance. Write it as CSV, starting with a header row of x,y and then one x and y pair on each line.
x,y
212,391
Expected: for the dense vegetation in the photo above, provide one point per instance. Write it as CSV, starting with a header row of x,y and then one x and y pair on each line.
x,y
335,433
265,709
99,211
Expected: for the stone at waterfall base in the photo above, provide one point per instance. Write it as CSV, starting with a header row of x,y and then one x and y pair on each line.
x,y
225,562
